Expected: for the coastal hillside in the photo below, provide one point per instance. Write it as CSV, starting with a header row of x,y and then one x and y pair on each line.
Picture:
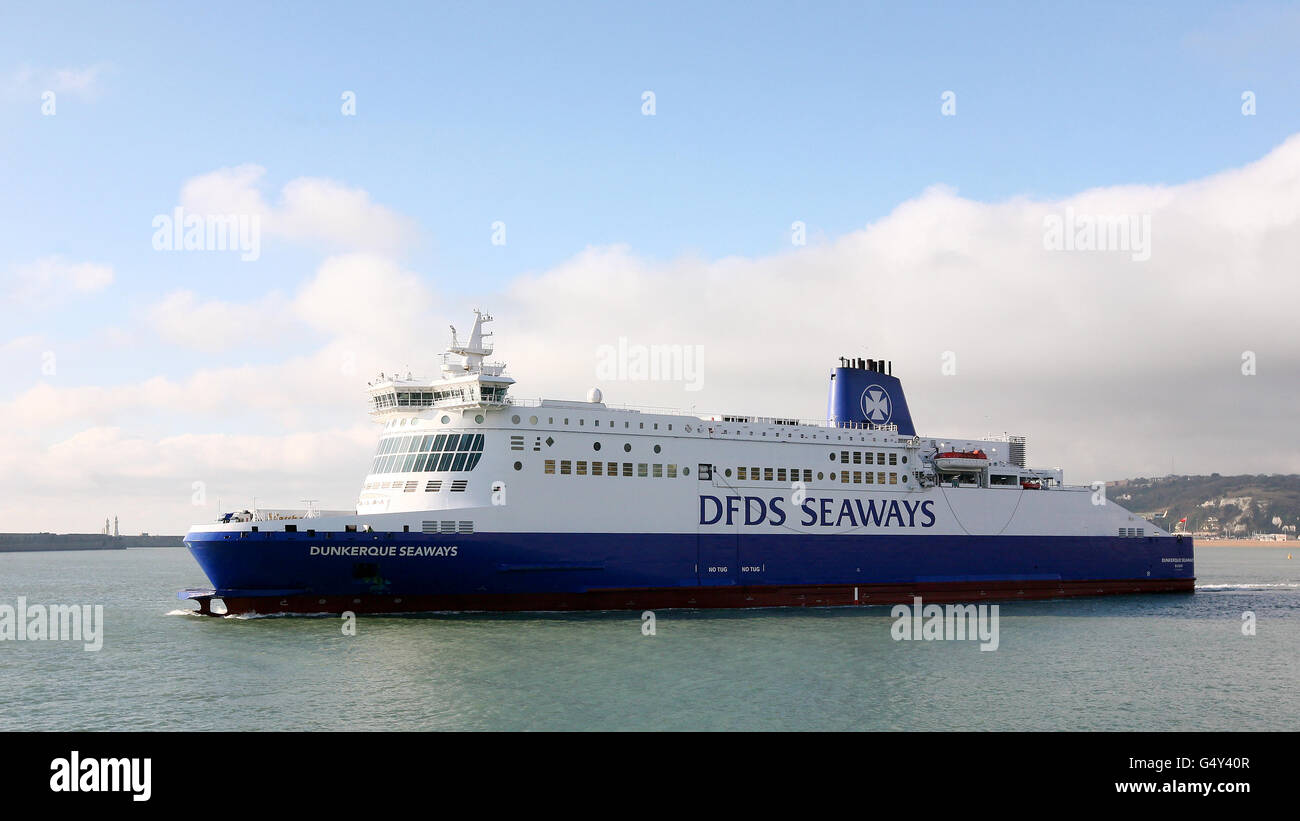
x,y
1215,505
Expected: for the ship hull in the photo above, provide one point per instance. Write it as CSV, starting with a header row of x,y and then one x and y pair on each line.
x,y
277,572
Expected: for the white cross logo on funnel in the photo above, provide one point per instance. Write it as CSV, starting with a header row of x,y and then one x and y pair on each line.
x,y
875,405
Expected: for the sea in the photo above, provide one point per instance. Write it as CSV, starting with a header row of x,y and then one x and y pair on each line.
x,y
1226,657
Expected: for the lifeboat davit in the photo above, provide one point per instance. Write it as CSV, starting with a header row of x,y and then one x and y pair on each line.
x,y
961,460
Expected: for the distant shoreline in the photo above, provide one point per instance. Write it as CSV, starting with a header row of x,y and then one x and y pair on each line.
x,y
1244,543
28,542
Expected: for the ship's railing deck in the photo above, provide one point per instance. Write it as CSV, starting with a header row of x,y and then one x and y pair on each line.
x,y
718,418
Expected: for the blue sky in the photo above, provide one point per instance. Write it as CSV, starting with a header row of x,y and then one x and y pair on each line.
x,y
470,113
530,114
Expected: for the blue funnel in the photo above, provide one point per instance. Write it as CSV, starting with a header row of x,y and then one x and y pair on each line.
x,y
862,395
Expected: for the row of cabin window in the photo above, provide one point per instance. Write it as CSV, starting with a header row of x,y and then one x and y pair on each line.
x,y
644,470
752,474
595,423
864,457
431,442
419,462
868,477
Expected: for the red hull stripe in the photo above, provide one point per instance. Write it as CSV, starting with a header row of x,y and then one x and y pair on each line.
x,y
844,595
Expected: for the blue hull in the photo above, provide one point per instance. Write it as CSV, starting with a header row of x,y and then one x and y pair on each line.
x,y
532,570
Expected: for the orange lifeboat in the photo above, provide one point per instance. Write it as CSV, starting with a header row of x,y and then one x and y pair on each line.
x,y
961,460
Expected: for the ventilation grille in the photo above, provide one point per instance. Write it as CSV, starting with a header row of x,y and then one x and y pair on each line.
x,y
459,485
1132,532
410,486
433,486
1018,450
517,442
446,527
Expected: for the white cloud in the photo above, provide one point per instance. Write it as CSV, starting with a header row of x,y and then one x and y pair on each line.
x,y
1112,367
83,81
52,279
181,318
311,210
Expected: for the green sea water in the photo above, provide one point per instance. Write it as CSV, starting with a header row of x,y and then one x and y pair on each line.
x,y
1158,662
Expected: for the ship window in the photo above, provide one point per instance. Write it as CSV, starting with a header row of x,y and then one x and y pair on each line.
x,y
445,462
819,475
844,476
612,469
871,478
740,473
519,465
658,448
727,472
705,473
893,478
473,460
597,468
658,471
807,475
844,457
857,477
880,458
582,468
565,467
627,468
466,442
459,463
857,457
672,471
753,474
532,420
893,458
880,478
515,419
627,448
548,466
421,461
780,474
767,474
408,463
641,470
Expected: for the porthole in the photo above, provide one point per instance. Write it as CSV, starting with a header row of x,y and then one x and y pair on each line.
x,y
518,465
627,448
832,477
515,419
532,420
446,419
832,456
686,471
904,478
819,475
595,446
478,419
904,460
727,472
657,448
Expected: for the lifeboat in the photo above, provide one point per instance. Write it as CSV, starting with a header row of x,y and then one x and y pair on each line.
x,y
1031,485
961,460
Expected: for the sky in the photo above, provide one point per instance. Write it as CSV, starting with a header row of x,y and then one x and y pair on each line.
x,y
775,186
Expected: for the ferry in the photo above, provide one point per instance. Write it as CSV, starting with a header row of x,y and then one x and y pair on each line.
x,y
476,500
